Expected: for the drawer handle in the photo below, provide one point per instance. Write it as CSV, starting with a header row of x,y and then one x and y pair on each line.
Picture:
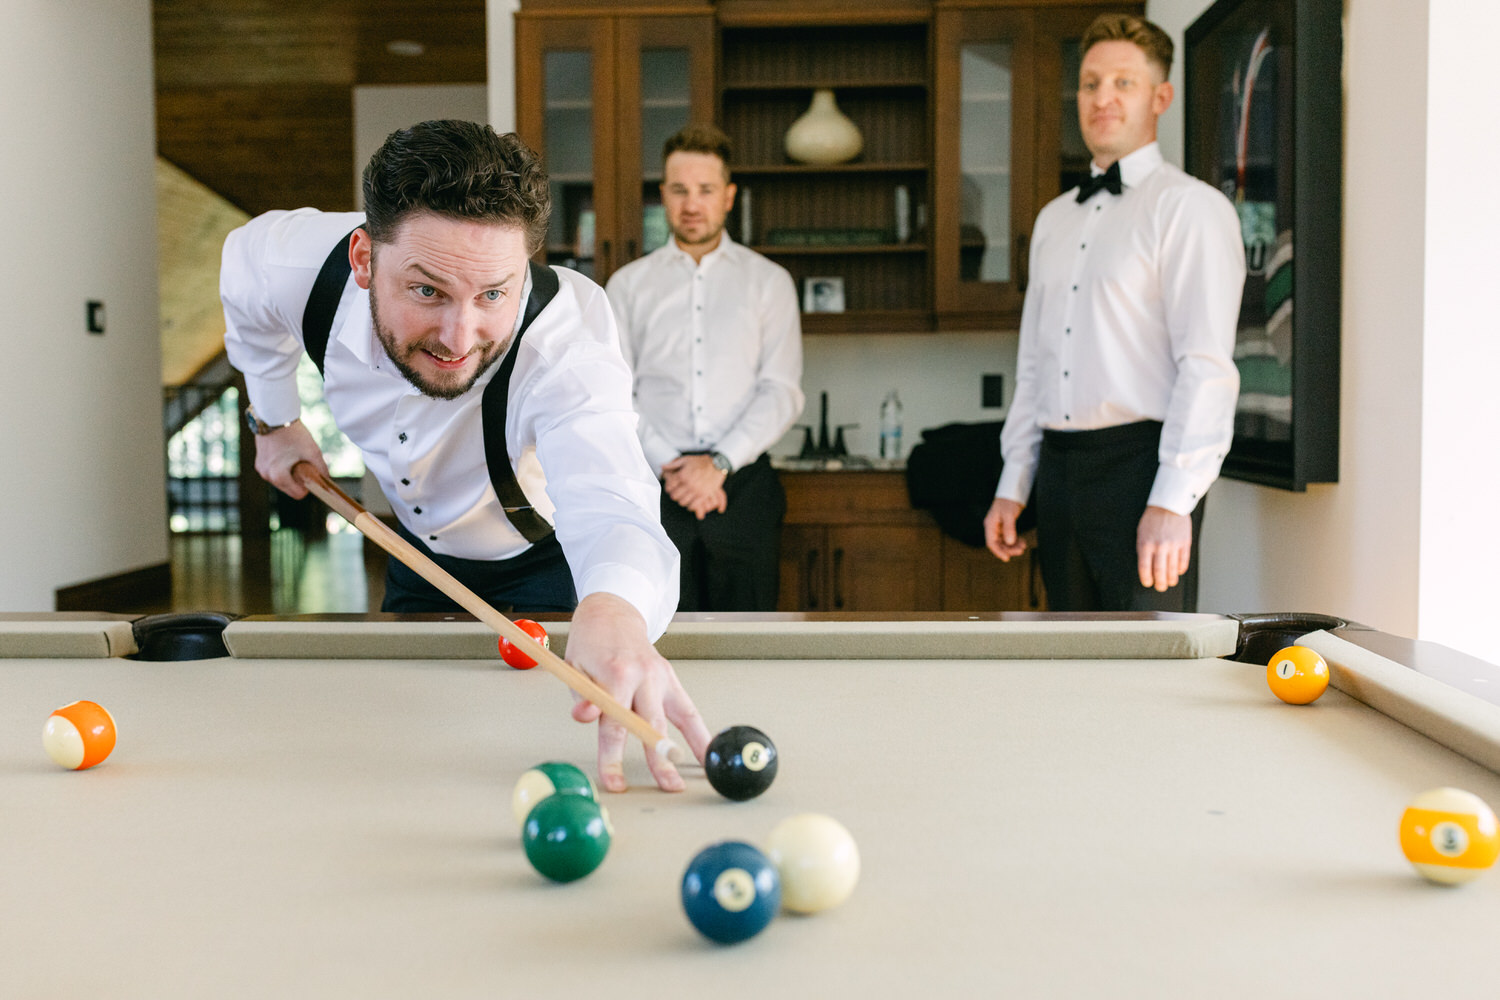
x,y
838,579
810,595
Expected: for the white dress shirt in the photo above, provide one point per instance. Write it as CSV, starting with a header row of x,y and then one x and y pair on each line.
x,y
716,348
570,427
1131,315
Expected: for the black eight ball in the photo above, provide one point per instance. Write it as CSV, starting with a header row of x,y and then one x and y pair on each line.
x,y
740,763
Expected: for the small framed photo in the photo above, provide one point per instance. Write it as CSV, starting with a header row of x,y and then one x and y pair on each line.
x,y
823,295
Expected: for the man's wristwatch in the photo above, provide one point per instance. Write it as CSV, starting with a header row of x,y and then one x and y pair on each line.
x,y
259,426
722,462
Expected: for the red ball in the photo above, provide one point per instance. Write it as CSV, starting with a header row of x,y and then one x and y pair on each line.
x,y
511,653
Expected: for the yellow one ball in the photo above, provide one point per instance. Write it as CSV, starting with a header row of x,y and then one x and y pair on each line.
x,y
1450,836
1297,675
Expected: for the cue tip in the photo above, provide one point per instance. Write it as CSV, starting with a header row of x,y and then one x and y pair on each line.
x,y
669,750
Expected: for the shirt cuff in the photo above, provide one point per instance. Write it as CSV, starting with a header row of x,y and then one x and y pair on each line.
x,y
276,401
635,588
658,456
1015,483
1177,490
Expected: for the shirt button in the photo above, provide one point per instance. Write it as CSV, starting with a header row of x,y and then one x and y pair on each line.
x,y
416,510
402,436
1067,416
432,538
406,482
1075,288
1065,375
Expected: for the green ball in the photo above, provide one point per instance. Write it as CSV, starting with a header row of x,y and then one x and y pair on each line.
x,y
544,781
566,836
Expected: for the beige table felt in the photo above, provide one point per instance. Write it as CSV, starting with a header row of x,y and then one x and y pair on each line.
x,y
1060,827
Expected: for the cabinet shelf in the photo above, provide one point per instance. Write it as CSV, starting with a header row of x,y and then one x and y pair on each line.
x,y
867,320
733,88
861,167
804,250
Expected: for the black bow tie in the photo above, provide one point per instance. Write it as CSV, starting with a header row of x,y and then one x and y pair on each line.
x,y
1107,181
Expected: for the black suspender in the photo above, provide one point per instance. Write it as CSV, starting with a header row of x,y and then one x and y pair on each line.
x,y
523,517
323,302
317,323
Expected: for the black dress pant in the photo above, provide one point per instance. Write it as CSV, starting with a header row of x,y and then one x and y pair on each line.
x,y
730,561
536,580
1091,490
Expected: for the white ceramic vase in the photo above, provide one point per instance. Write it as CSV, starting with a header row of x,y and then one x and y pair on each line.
x,y
823,134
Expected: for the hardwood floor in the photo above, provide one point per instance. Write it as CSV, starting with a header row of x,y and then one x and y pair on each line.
x,y
286,574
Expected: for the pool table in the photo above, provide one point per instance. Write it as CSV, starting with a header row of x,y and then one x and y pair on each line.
x,y
1045,805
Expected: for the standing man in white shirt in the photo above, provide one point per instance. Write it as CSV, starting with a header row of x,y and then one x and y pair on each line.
x,y
714,335
487,394
1125,382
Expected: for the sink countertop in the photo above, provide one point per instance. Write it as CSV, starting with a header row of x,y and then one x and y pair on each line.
x,y
844,463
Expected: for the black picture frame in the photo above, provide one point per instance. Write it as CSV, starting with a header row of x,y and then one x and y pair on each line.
x,y
1263,94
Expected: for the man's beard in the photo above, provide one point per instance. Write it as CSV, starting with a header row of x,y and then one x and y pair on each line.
x,y
489,354
708,237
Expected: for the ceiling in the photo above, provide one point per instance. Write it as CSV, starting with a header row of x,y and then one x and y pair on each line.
x,y
254,97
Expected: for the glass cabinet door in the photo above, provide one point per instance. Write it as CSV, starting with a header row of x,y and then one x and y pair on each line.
x,y
666,82
568,118
985,161
564,108
1060,140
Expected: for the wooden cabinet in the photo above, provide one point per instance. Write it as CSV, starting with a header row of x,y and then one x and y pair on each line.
x,y
861,222
1007,141
966,108
974,580
597,96
852,542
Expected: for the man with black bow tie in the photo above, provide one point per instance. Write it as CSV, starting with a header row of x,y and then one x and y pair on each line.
x,y
1125,382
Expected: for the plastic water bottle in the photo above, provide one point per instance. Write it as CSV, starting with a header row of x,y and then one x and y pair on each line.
x,y
890,426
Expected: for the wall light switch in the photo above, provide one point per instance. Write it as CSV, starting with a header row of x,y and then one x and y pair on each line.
x,y
992,391
95,316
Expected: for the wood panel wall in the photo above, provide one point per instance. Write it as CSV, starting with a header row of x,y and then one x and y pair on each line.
x,y
254,97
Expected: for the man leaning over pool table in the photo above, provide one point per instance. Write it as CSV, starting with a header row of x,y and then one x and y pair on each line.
x,y
410,346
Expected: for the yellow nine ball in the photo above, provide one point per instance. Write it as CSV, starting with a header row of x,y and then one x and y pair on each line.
x,y
1297,675
1450,836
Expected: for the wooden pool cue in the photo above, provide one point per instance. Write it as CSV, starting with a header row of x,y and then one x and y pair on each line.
x,y
378,532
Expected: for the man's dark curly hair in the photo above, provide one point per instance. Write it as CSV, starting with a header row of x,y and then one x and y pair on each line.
x,y
459,169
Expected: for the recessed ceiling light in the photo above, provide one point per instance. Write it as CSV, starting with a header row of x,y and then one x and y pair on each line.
x,y
405,47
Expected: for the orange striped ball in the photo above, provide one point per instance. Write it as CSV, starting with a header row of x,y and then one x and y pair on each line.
x,y
79,735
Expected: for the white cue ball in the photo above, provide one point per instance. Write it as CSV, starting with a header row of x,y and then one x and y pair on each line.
x,y
817,859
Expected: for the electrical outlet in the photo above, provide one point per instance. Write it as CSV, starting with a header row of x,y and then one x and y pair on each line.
x,y
992,391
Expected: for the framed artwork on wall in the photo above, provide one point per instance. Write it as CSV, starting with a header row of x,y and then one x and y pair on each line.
x,y
1264,124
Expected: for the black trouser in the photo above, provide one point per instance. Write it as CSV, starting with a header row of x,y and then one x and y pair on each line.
x,y
730,561
536,580
1091,490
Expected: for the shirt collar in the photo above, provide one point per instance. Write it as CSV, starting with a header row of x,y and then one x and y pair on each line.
x,y
1135,167
682,255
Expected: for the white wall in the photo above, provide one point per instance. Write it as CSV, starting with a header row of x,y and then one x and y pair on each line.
x,y
82,452
500,30
936,375
1460,470
1369,546
381,110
